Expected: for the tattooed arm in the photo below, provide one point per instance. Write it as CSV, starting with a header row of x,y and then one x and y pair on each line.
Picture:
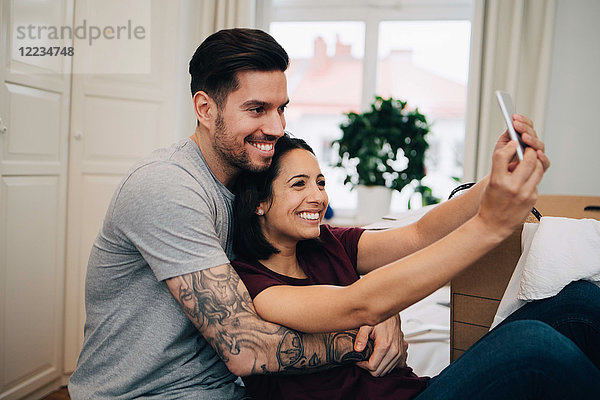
x,y
218,304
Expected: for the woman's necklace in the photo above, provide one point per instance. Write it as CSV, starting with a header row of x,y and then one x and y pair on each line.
x,y
295,271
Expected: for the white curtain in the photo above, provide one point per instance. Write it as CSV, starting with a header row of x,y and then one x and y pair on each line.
x,y
510,51
224,14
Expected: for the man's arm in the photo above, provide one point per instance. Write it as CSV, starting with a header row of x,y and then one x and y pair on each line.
x,y
218,304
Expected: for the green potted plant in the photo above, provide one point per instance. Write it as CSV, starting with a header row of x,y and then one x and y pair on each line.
x,y
382,148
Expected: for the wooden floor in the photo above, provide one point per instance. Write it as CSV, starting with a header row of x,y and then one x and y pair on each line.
x,y
61,394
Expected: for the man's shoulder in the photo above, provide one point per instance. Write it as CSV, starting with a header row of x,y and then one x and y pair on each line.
x,y
176,166
166,182
179,159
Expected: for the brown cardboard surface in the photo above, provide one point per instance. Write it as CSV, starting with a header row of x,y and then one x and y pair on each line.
x,y
476,293
489,276
474,310
455,353
568,206
467,335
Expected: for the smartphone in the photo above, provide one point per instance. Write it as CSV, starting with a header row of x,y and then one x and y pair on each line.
x,y
508,109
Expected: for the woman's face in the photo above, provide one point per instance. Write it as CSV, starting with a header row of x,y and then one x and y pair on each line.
x,y
299,200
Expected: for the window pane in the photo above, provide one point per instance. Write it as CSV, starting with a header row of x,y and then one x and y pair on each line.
x,y
324,82
426,64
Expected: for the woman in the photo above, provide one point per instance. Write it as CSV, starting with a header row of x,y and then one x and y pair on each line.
x,y
306,276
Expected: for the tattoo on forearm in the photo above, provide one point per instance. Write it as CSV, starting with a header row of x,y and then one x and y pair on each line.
x,y
338,347
290,350
339,342
219,305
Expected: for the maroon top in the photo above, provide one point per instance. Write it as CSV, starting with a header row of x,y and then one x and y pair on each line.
x,y
333,263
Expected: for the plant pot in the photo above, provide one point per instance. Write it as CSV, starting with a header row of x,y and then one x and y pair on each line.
x,y
373,203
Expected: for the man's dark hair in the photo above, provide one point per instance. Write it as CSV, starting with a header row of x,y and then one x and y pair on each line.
x,y
250,190
223,54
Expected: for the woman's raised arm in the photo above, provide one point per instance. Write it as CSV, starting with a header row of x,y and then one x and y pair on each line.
x,y
378,248
505,202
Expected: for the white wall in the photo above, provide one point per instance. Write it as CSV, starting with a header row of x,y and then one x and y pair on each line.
x,y
572,125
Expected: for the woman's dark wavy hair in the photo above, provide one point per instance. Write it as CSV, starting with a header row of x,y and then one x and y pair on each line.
x,y
216,62
250,190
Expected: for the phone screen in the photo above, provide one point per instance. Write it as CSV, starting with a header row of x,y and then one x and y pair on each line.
x,y
508,109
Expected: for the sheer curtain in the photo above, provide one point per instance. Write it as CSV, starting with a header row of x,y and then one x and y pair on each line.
x,y
511,51
223,14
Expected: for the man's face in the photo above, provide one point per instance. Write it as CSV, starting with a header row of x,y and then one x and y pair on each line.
x,y
252,120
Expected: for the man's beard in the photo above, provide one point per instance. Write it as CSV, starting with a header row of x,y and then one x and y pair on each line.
x,y
225,144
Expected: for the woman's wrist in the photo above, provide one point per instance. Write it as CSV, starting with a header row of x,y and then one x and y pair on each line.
x,y
490,231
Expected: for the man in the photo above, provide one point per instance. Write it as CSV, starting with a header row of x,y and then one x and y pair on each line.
x,y
167,316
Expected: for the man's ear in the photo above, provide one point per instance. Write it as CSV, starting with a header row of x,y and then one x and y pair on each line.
x,y
204,108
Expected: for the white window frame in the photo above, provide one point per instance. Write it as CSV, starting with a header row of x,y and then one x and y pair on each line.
x,y
371,13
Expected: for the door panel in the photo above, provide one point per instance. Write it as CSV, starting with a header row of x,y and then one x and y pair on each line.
x,y
119,129
36,117
31,300
34,108
30,20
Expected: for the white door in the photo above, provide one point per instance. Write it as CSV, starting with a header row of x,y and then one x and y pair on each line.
x,y
34,108
116,119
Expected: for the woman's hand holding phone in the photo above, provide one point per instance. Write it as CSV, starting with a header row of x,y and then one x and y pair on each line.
x,y
526,135
512,189
508,109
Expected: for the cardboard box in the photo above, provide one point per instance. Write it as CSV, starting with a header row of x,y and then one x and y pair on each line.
x,y
476,293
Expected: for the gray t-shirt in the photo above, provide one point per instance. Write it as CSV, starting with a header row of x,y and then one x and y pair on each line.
x,y
170,216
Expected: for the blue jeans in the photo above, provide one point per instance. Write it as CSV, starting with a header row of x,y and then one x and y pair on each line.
x,y
548,349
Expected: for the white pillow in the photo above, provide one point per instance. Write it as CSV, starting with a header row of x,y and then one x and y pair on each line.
x,y
563,250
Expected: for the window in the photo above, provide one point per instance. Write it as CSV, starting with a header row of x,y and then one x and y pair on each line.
x,y
426,63
342,56
324,82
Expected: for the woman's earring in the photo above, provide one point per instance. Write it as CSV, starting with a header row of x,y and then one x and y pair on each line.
x,y
260,211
